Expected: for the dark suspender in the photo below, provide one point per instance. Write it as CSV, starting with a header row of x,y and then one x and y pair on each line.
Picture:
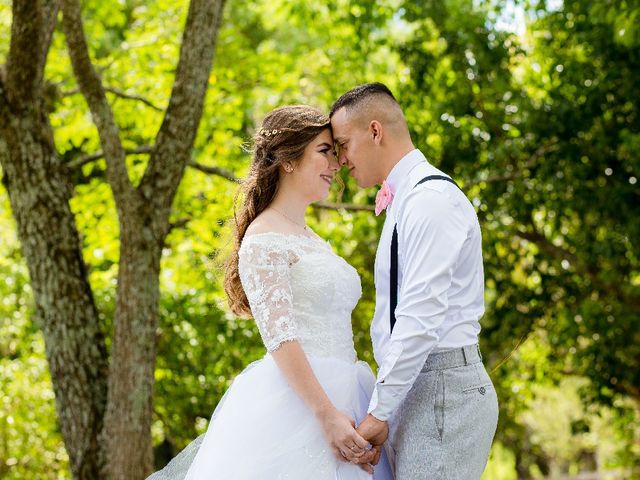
x,y
393,275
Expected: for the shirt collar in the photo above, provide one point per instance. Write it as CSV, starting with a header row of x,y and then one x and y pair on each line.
x,y
401,169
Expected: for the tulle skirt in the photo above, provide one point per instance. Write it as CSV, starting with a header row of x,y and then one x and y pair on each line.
x,y
261,429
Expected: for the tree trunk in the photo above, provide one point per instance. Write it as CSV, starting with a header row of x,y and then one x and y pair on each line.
x,y
107,431
143,214
39,192
129,413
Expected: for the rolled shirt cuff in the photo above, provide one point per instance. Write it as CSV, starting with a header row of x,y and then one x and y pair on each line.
x,y
382,406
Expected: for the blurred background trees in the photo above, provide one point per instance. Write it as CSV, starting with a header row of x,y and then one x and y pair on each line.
x,y
531,106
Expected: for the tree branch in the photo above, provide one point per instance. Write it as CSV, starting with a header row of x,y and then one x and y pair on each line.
x,y
181,222
50,12
122,94
176,136
118,93
94,93
354,207
79,162
221,172
31,30
498,178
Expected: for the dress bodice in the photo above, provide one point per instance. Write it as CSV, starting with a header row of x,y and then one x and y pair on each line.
x,y
299,289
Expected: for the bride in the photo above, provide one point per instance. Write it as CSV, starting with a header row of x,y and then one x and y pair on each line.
x,y
290,415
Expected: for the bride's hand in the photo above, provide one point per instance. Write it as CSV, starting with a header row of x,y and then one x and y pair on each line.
x,y
346,443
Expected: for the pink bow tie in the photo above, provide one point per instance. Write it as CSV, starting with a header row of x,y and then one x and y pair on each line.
x,y
384,197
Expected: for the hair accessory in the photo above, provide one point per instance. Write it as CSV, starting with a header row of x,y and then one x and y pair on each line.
x,y
268,133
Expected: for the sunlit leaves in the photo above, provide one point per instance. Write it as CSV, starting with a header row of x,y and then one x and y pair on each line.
x,y
541,131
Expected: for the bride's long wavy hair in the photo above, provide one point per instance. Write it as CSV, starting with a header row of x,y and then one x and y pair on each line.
x,y
283,137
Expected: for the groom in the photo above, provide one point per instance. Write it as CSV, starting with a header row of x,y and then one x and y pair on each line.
x,y
433,397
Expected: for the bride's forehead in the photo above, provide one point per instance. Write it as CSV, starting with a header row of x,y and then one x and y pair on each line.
x,y
326,135
323,137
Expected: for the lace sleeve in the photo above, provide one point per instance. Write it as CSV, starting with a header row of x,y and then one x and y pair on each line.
x,y
264,273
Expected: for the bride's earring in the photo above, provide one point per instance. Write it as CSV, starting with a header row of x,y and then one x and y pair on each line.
x,y
288,168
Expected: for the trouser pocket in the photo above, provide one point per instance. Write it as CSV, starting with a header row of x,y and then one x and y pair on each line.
x,y
438,407
479,383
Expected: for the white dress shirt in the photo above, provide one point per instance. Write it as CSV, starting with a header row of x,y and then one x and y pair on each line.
x,y
440,279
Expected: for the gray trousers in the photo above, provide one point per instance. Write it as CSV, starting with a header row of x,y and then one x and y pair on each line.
x,y
444,428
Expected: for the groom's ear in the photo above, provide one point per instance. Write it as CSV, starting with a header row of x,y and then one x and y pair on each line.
x,y
375,130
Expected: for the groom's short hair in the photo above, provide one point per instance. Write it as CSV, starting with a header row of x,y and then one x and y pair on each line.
x,y
372,101
362,94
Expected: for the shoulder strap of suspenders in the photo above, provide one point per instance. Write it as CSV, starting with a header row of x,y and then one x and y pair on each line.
x,y
393,276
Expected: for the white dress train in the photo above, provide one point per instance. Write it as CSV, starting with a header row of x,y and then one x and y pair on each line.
x,y
298,289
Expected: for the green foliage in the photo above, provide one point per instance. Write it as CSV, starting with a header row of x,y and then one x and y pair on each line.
x,y
539,130
542,131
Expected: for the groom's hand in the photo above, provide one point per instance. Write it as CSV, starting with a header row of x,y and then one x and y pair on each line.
x,y
373,430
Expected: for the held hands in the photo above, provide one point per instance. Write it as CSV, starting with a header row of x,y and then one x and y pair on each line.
x,y
346,443
375,432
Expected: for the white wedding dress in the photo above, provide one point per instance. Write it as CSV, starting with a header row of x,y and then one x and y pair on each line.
x,y
298,289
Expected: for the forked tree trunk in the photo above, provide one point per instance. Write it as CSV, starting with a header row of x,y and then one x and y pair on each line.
x,y
106,430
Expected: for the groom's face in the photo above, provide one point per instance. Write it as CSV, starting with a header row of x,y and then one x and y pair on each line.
x,y
355,148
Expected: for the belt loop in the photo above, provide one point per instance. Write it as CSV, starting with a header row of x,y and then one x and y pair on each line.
x,y
479,352
464,355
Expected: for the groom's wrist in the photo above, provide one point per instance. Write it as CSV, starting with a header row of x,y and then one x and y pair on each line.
x,y
379,412
375,417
